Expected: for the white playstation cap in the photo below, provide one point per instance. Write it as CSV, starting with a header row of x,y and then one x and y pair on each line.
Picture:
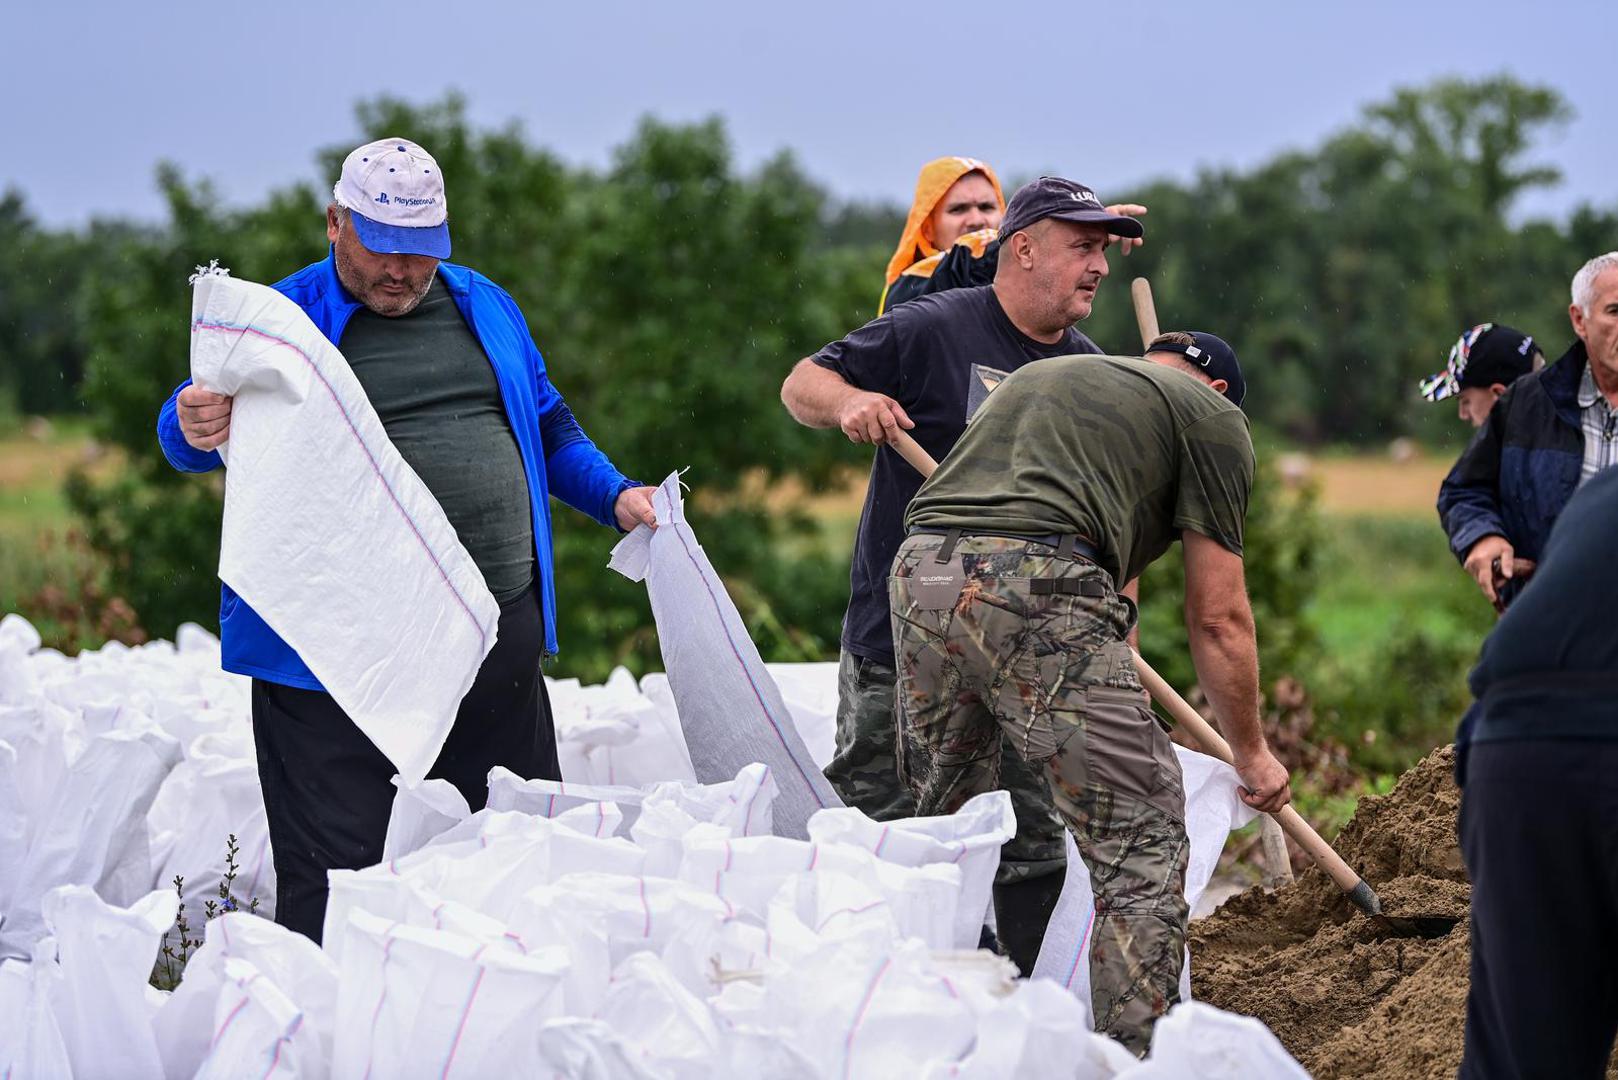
x,y
395,192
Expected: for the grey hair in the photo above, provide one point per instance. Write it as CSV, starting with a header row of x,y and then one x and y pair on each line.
x,y
1584,282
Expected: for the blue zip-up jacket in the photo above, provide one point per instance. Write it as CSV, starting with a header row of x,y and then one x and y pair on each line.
x,y
1522,465
557,457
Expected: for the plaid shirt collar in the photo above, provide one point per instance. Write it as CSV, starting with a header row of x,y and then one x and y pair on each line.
x,y
1589,393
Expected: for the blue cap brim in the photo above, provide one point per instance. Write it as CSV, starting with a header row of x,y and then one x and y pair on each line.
x,y
432,241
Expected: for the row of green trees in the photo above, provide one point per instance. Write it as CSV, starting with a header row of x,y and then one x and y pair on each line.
x,y
670,294
1344,273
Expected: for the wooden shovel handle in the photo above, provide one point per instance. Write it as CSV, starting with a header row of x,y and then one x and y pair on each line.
x,y
911,451
1214,744
1140,291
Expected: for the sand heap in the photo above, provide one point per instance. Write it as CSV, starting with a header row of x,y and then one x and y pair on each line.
x,y
1347,998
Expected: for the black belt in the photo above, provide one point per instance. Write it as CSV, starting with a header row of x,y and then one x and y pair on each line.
x,y
1068,546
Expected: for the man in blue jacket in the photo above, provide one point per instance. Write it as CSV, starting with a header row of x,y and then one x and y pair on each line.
x,y
446,359
1552,431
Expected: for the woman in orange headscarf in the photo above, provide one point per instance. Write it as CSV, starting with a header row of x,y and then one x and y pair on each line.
x,y
958,200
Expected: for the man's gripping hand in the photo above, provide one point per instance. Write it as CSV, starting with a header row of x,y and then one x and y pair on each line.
x,y
634,507
1265,785
1482,559
204,417
866,417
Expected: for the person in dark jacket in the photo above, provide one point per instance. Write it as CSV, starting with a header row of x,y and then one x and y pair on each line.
x,y
1483,363
1553,430
957,200
1539,812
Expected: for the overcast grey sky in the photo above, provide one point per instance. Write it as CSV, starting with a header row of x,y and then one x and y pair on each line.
x,y
96,94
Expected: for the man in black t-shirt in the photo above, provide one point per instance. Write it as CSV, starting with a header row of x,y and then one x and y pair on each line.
x,y
922,367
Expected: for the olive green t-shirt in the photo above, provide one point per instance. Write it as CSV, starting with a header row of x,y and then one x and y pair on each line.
x,y
1122,452
426,375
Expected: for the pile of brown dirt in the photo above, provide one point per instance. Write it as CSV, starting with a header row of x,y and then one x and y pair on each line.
x,y
1347,998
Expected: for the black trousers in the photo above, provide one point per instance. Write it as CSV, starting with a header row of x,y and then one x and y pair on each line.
x,y
328,790
1539,829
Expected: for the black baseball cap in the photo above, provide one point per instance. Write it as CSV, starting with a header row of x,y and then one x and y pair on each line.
x,y
1055,197
1488,353
1214,357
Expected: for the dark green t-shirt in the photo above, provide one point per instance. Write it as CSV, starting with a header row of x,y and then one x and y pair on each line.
x,y
1122,452
435,391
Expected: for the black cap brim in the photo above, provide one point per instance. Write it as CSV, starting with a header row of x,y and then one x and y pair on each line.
x,y
1115,224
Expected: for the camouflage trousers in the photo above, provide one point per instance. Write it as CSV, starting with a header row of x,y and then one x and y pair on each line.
x,y
865,773
1005,641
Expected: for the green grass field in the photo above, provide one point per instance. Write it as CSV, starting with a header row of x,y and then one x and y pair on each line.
x,y
44,568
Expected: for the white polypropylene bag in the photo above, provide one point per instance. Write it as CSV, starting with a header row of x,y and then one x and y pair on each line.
x,y
207,799
810,692
105,955
730,709
863,1015
614,734
31,1042
90,829
420,813
1212,810
747,872
227,977
1199,1040
1022,1034
743,804
419,1002
329,535
970,838
660,1018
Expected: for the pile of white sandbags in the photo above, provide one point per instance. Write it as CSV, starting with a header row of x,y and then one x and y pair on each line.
x,y
626,923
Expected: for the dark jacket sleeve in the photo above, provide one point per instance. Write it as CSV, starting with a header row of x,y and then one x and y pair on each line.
x,y
1469,498
960,269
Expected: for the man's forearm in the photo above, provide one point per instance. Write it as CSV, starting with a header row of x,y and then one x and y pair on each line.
x,y
814,395
1226,658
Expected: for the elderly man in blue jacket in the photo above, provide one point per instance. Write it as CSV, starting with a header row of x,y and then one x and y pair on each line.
x,y
1551,432
446,359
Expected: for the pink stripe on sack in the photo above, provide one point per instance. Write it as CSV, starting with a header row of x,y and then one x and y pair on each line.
x,y
680,530
230,1018
1073,972
752,802
376,1013
849,911
646,930
466,1013
370,457
275,1058
859,1016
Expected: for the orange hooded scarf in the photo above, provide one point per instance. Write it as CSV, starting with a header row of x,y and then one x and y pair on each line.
x,y
915,243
